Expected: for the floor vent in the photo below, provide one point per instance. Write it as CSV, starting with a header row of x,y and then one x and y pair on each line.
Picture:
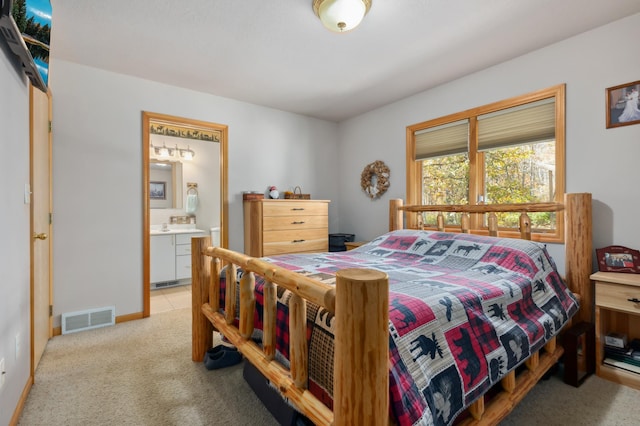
x,y
156,286
86,320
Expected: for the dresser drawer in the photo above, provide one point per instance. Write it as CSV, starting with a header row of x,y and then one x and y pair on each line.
x,y
271,223
615,296
311,246
294,236
294,208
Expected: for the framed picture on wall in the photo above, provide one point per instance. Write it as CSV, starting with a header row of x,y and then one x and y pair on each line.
x,y
618,259
157,190
623,107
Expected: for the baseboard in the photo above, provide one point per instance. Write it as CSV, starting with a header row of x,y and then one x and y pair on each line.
x,y
57,331
129,317
23,399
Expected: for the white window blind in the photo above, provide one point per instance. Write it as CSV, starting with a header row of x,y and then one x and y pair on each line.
x,y
523,124
447,139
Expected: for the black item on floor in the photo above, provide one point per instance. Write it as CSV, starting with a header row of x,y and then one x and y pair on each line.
x,y
222,358
336,241
284,413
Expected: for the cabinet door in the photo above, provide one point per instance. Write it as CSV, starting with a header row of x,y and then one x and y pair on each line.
x,y
183,267
163,258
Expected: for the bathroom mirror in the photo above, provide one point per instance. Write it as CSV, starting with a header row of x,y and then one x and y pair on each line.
x,y
165,181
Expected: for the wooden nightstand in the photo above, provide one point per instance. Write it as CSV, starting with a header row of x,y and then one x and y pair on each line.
x,y
617,311
350,245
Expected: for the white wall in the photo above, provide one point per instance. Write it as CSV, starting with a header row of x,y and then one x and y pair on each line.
x,y
602,161
97,174
14,215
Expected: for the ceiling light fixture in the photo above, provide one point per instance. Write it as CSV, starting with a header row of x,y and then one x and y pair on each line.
x,y
341,15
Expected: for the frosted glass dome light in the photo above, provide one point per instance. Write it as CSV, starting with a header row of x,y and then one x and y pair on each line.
x,y
341,15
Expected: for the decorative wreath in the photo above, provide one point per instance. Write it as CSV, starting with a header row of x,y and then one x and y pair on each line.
x,y
381,172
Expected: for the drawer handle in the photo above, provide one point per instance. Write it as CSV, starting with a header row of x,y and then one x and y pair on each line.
x,y
298,241
297,223
634,300
297,208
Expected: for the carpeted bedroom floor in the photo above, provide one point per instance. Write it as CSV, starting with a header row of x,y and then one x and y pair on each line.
x,y
141,373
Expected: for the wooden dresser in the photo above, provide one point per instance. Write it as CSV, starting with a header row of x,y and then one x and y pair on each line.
x,y
274,227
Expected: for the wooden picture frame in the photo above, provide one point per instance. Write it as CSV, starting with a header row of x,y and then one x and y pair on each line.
x,y
618,259
157,190
623,106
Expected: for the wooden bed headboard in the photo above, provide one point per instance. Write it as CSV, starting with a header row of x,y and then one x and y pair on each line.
x,y
578,238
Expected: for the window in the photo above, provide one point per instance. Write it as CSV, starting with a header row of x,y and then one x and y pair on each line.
x,y
510,151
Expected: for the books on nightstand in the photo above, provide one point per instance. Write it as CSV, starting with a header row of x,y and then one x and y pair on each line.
x,y
627,358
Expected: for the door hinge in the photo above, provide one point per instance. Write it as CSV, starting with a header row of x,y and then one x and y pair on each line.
x,y
50,126
50,310
50,218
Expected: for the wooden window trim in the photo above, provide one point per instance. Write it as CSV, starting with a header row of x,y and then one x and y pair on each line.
x,y
414,171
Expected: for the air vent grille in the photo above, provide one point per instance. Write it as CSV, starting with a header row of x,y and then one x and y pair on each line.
x,y
86,320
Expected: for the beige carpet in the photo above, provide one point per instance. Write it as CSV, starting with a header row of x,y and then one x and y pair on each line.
x,y
137,373
141,373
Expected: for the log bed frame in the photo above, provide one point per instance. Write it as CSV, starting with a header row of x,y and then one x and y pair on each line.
x,y
361,329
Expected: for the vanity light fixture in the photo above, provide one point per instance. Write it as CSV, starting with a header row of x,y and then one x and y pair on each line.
x,y
164,152
187,154
341,15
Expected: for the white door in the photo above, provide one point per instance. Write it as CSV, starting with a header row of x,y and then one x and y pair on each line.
x,y
40,165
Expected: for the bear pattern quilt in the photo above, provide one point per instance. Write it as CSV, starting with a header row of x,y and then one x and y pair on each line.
x,y
464,310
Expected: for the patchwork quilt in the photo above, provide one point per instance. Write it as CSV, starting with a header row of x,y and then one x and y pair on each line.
x,y
464,310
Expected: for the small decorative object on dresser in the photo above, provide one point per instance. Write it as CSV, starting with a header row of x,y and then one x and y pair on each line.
x,y
618,259
296,194
252,195
273,192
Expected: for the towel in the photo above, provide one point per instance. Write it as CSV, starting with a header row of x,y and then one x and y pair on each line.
x,y
192,203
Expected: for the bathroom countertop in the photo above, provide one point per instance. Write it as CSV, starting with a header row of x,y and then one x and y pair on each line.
x,y
171,231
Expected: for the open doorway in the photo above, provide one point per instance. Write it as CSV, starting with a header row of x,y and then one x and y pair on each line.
x,y
169,198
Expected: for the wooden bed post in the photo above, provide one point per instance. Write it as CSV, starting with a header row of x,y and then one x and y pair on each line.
x,y
201,327
395,215
578,240
361,361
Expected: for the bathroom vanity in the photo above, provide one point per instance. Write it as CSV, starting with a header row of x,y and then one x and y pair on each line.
x,y
171,256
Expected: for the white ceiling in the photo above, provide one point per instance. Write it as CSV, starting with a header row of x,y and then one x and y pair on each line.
x,y
276,53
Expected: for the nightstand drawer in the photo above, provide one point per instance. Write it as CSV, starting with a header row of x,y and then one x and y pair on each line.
x,y
616,296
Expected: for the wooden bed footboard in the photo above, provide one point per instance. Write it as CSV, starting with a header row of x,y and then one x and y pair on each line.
x,y
360,302
361,388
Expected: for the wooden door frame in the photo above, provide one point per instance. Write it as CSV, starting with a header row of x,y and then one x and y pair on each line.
x,y
147,118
